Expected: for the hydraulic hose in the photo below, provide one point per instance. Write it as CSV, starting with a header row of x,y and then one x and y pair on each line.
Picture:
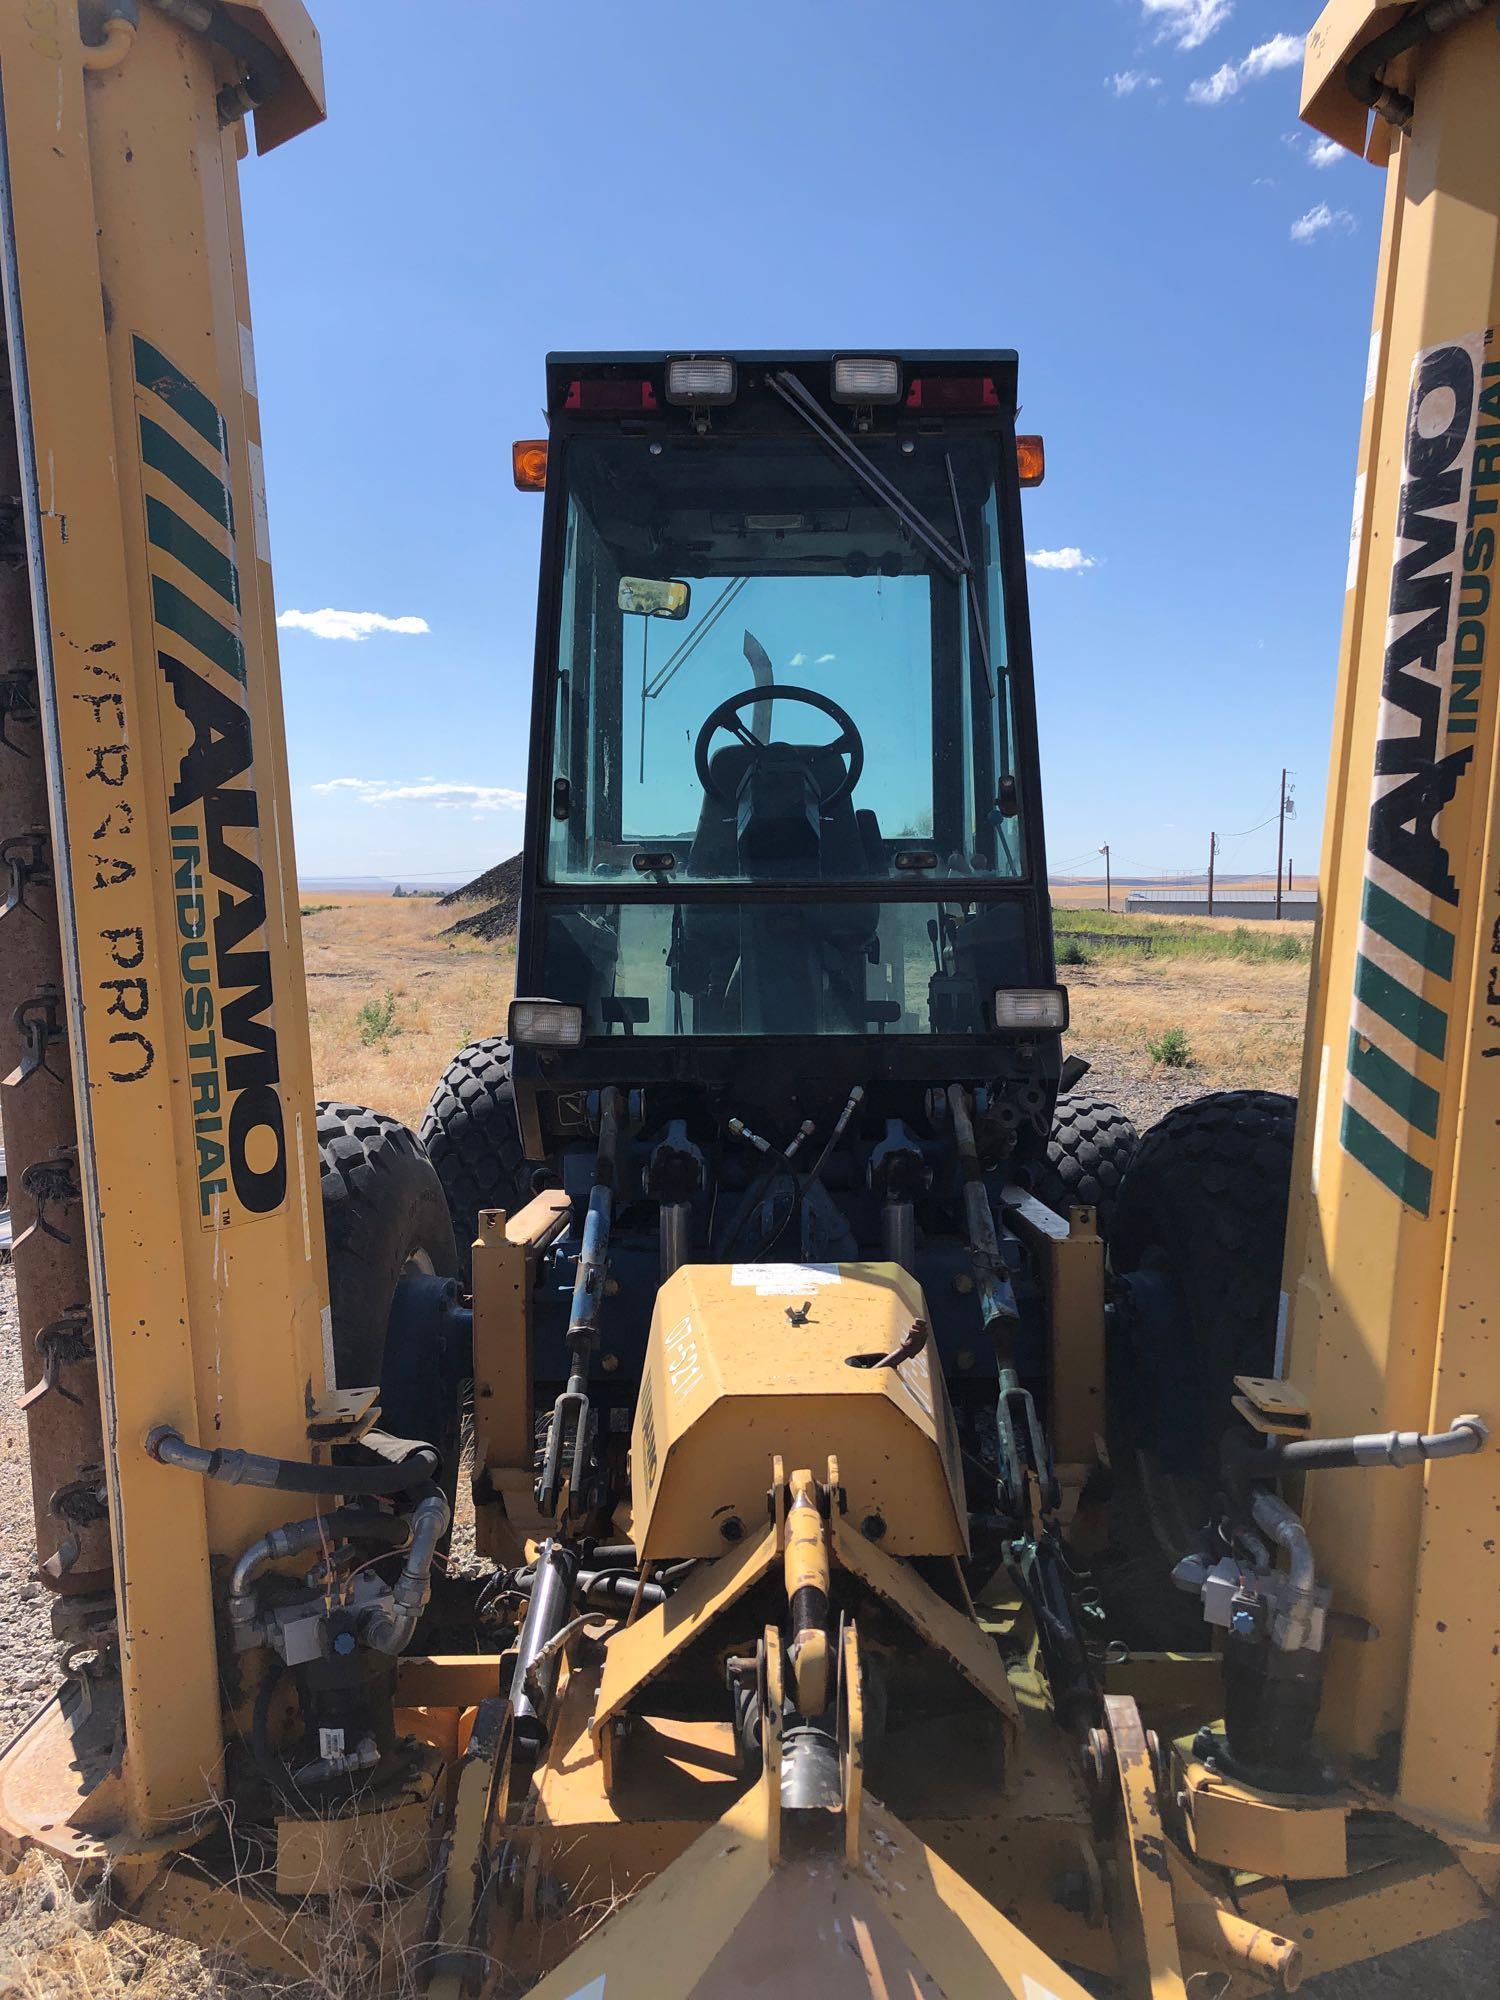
x,y
289,1475
1363,74
1286,1530
1278,1457
391,1631
343,1524
1464,1435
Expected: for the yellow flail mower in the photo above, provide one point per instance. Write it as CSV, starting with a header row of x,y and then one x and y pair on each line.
x,y
926,1539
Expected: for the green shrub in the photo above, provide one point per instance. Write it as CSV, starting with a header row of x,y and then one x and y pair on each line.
x,y
376,1020
1071,951
1170,1048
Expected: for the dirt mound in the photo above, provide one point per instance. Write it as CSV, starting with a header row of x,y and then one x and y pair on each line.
x,y
498,892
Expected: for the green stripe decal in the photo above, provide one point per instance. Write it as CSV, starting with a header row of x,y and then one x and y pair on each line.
x,y
194,551
1406,1011
205,488
1428,943
1415,1101
190,621
1406,1178
154,372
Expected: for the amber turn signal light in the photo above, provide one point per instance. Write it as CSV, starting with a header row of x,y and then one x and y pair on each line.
x,y
1031,460
528,461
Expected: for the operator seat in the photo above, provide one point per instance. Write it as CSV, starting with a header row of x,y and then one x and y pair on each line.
x,y
762,970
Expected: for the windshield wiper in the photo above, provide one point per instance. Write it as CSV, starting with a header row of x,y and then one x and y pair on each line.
x,y
974,605
956,561
670,667
793,393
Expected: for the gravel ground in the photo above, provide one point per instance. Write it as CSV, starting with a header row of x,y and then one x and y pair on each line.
x,y
27,1652
1143,1091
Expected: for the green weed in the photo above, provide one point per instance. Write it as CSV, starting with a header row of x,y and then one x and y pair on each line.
x,y
1171,1049
376,1020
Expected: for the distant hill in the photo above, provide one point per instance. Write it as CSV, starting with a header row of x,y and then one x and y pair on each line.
x,y
377,885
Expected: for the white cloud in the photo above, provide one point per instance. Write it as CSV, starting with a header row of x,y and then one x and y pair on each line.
x,y
1281,52
1061,559
431,792
1318,221
1224,82
1188,23
1126,82
797,660
1324,152
825,659
331,624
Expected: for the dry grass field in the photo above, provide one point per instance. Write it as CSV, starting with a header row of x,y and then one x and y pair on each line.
x,y
390,999
1241,1015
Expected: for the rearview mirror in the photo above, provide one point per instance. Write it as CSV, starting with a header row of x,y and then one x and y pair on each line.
x,y
651,597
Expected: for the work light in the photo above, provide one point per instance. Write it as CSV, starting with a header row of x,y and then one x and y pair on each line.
x,y
1031,1007
546,1024
700,382
861,378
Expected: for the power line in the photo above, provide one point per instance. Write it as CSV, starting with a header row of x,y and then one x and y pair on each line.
x,y
1252,829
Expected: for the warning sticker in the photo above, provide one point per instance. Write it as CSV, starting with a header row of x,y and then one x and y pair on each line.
x,y
782,1280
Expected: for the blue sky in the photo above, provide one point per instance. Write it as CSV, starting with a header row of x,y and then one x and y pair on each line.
x,y
1118,188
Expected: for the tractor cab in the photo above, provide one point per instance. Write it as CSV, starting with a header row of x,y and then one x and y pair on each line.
x,y
784,774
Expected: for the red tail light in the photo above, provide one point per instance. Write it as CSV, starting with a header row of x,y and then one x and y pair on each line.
x,y
609,398
952,392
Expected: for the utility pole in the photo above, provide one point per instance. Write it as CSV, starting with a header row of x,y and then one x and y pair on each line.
x,y
1213,848
1108,887
1287,811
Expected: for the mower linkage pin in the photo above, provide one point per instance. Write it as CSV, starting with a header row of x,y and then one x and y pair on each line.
x,y
50,1183
24,858
62,1341
18,702
36,1018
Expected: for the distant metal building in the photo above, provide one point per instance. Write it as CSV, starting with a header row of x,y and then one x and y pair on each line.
x,y
1250,904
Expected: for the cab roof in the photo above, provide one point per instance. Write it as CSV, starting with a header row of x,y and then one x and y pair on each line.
x,y
813,365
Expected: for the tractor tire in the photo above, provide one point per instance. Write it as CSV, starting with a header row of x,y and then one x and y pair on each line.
x,y
1205,1200
384,1216
1196,1249
1090,1149
473,1140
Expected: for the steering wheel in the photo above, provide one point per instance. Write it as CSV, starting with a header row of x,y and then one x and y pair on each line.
x,y
848,743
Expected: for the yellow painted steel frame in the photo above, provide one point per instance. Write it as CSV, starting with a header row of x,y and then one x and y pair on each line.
x,y
504,1271
1392,1258
740,1365
133,365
